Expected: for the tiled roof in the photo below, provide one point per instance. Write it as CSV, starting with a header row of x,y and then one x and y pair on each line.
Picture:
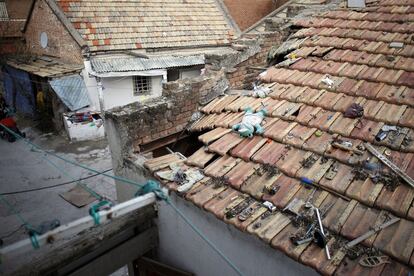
x,y
302,131
132,24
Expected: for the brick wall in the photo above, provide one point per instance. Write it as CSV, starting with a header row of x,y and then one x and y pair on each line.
x,y
18,9
248,12
137,124
242,76
60,42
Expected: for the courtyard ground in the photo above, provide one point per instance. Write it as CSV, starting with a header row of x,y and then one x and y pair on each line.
x,y
22,169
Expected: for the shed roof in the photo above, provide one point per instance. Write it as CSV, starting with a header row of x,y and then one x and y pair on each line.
x,y
72,91
131,24
128,64
305,124
44,66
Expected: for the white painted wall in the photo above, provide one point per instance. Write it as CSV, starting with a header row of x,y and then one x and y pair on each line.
x,y
189,73
91,86
119,91
181,247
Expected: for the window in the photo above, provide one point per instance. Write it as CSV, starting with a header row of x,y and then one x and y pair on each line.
x,y
3,11
142,85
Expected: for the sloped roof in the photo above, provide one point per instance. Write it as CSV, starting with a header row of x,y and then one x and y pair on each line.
x,y
128,64
304,126
133,24
44,66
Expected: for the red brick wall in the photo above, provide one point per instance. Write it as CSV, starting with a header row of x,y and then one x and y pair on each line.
x,y
60,42
248,12
242,76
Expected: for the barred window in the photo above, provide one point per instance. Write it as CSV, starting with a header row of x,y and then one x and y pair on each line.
x,y
142,85
3,11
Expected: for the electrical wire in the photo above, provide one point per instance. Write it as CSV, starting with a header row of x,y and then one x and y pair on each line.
x,y
131,182
55,185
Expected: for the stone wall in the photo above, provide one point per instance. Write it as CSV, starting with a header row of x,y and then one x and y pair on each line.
x,y
141,123
243,75
60,42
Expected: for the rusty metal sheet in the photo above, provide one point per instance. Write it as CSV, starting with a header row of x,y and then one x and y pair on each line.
x,y
200,158
248,147
242,171
213,135
225,143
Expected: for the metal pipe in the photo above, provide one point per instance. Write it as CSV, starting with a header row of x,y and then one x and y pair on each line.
x,y
323,232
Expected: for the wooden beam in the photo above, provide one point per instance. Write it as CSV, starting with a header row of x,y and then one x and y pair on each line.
x,y
70,242
121,255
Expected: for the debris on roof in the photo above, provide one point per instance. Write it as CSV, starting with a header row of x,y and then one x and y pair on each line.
x,y
348,93
44,66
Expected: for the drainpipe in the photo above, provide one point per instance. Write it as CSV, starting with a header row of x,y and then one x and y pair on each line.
x,y
100,95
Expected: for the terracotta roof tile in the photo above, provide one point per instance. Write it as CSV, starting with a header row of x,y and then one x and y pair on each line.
x,y
148,24
303,132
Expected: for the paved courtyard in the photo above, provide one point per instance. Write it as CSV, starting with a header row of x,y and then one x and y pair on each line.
x,y
22,168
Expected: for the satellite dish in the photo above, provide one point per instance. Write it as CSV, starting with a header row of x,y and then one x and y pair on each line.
x,y
43,40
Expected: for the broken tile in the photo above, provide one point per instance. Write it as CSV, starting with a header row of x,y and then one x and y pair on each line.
x,y
221,166
213,135
200,158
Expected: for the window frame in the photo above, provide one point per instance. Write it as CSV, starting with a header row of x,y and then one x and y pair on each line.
x,y
138,85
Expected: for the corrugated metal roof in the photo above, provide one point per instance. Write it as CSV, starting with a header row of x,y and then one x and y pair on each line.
x,y
72,91
128,64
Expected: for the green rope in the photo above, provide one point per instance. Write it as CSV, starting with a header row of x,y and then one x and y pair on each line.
x,y
86,188
29,228
150,188
94,210
125,180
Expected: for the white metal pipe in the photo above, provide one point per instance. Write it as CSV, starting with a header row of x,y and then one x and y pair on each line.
x,y
73,228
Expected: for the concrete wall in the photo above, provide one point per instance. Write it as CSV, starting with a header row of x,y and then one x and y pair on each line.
x,y
181,247
60,42
119,91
